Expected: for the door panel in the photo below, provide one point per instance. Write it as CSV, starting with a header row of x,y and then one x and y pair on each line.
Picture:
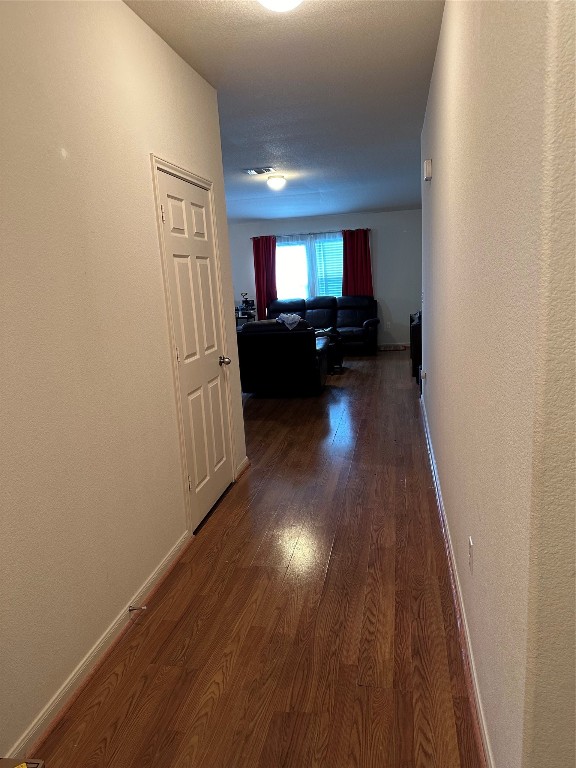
x,y
186,310
216,410
195,311
176,208
206,300
199,219
198,442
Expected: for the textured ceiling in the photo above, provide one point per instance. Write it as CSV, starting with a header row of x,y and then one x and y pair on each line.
x,y
331,94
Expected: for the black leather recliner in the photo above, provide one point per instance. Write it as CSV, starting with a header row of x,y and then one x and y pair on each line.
x,y
357,323
281,362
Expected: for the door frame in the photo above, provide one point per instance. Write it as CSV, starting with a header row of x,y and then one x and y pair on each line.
x,y
159,165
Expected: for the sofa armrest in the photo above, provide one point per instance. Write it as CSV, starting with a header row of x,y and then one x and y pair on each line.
x,y
372,323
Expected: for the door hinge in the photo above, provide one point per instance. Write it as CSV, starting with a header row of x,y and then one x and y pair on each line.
x,y
177,355
162,212
189,484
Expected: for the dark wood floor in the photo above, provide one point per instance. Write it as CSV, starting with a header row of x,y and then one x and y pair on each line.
x,y
310,622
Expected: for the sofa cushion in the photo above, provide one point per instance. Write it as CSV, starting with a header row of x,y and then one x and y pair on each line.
x,y
322,302
320,318
352,318
357,302
355,310
287,307
321,311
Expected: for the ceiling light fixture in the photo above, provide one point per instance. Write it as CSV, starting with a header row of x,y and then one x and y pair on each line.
x,y
280,5
276,182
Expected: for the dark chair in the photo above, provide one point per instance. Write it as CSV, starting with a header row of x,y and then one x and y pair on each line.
x,y
357,323
279,362
416,342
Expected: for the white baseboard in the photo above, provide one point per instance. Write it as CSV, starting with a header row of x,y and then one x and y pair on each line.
x,y
458,596
72,685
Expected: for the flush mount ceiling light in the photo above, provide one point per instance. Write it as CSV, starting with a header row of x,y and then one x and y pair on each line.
x,y
276,182
280,5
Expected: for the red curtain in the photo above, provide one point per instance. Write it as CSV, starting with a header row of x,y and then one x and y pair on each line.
x,y
357,267
264,249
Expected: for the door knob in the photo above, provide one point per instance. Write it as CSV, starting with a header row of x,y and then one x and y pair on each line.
x,y
222,360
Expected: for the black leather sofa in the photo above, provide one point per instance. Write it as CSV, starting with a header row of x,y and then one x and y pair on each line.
x,y
280,362
355,318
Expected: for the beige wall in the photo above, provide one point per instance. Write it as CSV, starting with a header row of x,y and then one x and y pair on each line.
x,y
499,345
91,490
396,245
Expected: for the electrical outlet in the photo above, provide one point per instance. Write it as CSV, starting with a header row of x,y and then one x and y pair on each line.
x,y
388,324
470,554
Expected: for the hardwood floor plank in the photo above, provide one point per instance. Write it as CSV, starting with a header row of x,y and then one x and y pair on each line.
x,y
435,740
451,629
311,665
371,740
160,743
335,721
288,741
124,737
350,558
469,754
302,588
403,729
310,622
249,711
404,536
402,678
120,674
220,672
376,651
114,725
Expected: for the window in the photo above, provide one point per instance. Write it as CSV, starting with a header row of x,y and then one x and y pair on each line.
x,y
309,265
291,272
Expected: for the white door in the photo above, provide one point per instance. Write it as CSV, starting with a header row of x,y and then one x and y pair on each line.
x,y
194,300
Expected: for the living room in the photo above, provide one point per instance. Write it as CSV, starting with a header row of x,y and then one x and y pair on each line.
x,y
396,248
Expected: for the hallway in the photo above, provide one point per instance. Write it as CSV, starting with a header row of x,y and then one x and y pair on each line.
x,y
310,622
